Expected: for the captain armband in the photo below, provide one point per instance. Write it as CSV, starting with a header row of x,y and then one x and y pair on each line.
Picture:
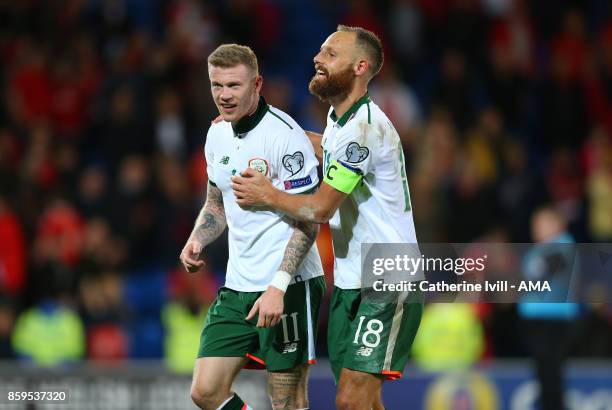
x,y
341,177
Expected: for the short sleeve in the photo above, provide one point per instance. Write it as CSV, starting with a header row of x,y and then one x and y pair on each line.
x,y
210,158
351,158
296,163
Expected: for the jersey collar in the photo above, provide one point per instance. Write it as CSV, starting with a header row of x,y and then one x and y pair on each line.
x,y
347,115
246,124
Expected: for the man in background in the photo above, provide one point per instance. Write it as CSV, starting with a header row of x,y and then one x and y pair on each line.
x,y
549,325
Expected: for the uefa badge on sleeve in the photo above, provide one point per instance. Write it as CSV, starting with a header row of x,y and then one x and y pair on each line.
x,y
260,165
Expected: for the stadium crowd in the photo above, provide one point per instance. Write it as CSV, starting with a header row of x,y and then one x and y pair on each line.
x,y
502,106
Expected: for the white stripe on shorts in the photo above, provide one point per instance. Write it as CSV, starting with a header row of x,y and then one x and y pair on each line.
x,y
311,347
395,327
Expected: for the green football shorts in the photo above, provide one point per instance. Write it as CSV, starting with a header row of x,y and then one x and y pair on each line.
x,y
291,342
372,337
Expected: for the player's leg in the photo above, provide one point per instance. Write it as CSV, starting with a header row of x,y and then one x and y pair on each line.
x,y
212,383
289,346
289,389
378,404
301,391
378,347
343,307
359,391
226,341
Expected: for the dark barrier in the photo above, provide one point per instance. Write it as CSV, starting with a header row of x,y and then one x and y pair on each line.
x,y
135,386
498,386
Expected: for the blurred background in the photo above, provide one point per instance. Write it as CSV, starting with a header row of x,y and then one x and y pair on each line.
x,y
503,106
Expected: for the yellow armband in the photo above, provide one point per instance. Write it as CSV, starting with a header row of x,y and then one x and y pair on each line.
x,y
341,178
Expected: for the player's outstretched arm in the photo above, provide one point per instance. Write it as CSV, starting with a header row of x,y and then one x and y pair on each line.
x,y
209,225
270,305
254,189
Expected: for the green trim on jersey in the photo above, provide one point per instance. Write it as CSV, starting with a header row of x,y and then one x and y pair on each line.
x,y
277,116
407,201
310,191
212,183
340,177
343,120
246,124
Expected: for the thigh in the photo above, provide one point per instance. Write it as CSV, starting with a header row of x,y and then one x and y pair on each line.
x,y
226,333
292,341
382,335
289,389
343,307
359,387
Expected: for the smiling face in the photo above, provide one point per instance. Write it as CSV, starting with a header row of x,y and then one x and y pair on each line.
x,y
235,90
334,67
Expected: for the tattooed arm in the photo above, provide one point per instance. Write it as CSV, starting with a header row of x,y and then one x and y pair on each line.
x,y
270,305
208,226
304,235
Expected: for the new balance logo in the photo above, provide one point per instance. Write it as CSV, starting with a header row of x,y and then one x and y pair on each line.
x,y
224,160
364,351
290,347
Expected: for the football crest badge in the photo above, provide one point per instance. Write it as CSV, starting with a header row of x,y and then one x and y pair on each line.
x,y
259,165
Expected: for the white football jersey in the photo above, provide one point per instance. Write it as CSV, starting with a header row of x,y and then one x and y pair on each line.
x,y
363,157
271,142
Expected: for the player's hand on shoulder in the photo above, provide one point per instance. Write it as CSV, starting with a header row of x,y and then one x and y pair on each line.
x,y
270,306
191,256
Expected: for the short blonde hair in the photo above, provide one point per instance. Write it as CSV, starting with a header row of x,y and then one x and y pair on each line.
x,y
232,55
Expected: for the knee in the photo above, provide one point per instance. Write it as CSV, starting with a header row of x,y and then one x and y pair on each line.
x,y
200,396
206,396
346,401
